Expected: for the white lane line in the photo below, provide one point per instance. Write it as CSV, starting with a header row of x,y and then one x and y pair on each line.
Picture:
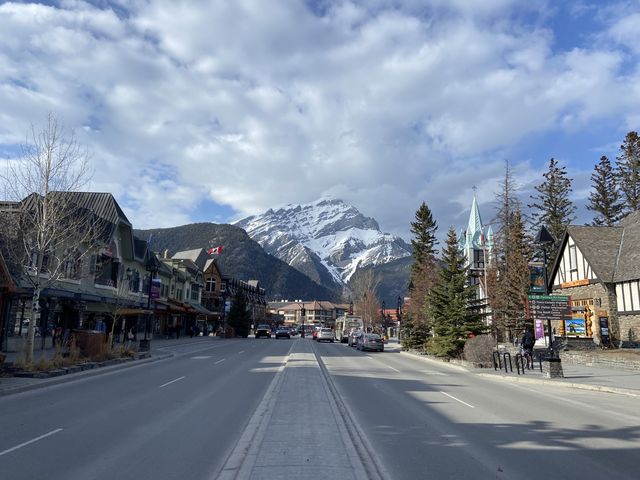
x,y
220,361
241,351
457,399
394,369
200,357
33,440
172,381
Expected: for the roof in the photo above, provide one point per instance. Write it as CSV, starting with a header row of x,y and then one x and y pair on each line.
x,y
197,256
612,252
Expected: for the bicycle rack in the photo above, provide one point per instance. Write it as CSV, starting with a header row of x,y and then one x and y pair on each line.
x,y
504,358
496,361
519,363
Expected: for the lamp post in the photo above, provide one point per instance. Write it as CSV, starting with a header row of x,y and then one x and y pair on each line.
x,y
399,315
224,313
384,319
544,239
152,268
302,315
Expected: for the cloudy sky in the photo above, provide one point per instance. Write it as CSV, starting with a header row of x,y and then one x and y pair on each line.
x,y
214,110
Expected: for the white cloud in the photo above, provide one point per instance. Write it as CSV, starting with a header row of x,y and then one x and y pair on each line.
x,y
249,104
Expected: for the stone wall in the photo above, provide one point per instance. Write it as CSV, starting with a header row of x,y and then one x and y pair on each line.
x,y
618,361
629,330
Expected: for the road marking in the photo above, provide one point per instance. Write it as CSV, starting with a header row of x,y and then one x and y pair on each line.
x,y
241,351
9,450
172,381
200,357
431,372
220,361
394,369
457,399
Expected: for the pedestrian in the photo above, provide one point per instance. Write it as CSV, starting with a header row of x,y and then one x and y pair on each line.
x,y
528,341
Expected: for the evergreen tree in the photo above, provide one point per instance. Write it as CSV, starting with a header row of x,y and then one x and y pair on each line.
x,y
551,205
452,303
628,172
415,325
512,281
424,229
604,200
239,316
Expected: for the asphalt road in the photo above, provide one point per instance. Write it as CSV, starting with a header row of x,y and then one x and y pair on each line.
x,y
180,418
172,419
431,421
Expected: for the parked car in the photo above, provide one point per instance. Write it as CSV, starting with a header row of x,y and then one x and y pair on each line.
x,y
283,333
370,341
353,338
326,335
263,331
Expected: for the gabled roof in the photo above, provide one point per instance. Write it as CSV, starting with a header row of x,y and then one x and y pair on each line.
x,y
612,252
197,256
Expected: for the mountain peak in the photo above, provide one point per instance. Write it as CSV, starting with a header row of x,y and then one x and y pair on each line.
x,y
327,239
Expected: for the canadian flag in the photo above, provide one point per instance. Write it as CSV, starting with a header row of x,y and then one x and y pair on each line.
x,y
215,250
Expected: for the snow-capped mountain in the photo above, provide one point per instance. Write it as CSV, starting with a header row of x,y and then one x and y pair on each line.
x,y
327,240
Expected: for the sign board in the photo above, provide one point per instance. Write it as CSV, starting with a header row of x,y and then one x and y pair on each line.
x,y
539,328
574,327
155,288
550,307
536,278
604,329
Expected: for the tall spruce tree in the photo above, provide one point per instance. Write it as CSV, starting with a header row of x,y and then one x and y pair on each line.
x,y
604,199
452,303
628,172
551,205
415,325
424,243
239,316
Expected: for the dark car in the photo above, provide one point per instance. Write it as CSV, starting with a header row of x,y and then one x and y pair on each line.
x,y
370,341
263,331
283,333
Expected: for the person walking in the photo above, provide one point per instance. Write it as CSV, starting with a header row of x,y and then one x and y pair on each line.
x,y
528,341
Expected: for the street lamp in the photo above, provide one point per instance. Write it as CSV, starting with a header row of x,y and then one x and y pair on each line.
x,y
384,319
224,313
152,268
545,239
399,315
302,315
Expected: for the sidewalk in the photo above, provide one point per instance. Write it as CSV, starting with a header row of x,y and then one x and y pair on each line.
x,y
10,385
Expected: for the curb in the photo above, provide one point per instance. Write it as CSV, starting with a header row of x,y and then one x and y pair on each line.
x,y
560,383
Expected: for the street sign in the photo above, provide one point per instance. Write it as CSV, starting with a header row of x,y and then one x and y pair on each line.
x,y
550,307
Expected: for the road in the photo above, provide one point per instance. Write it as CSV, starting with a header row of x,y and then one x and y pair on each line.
x,y
180,418
427,420
172,419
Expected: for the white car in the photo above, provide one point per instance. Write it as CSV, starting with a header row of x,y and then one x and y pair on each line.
x,y
326,334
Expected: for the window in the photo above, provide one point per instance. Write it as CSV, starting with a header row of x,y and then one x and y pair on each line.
x,y
211,284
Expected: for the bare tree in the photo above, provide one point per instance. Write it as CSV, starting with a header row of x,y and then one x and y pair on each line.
x,y
364,286
47,234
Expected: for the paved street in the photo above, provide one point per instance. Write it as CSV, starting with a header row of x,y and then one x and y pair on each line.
x,y
264,409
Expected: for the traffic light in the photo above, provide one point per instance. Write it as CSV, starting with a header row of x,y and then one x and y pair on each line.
x,y
303,312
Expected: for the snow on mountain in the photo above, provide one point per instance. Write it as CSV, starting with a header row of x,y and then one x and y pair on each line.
x,y
327,240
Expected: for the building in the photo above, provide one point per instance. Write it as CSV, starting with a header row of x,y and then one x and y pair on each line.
x,y
477,244
599,268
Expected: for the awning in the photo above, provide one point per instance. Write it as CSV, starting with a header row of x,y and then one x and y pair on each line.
x,y
200,309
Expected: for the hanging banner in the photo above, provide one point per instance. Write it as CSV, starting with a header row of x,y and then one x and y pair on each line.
x,y
536,278
156,283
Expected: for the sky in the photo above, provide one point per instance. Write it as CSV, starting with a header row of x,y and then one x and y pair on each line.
x,y
197,111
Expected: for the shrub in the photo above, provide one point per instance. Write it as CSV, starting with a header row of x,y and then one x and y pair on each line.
x,y
479,349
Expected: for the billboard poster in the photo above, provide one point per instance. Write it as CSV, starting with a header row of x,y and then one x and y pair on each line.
x,y
574,327
155,288
536,278
604,329
539,328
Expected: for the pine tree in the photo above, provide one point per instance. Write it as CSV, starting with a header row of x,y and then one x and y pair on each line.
x,y
424,243
628,172
415,324
239,315
605,197
551,206
452,303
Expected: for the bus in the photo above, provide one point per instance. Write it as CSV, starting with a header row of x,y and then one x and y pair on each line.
x,y
345,325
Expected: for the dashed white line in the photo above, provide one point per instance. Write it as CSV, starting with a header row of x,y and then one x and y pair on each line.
x,y
220,361
394,369
241,351
457,399
172,381
33,440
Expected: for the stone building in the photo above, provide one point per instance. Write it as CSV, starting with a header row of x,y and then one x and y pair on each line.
x,y
599,268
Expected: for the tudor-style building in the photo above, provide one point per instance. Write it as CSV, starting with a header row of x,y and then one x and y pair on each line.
x,y
599,268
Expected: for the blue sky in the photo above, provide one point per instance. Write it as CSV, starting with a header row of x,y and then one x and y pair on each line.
x,y
215,110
